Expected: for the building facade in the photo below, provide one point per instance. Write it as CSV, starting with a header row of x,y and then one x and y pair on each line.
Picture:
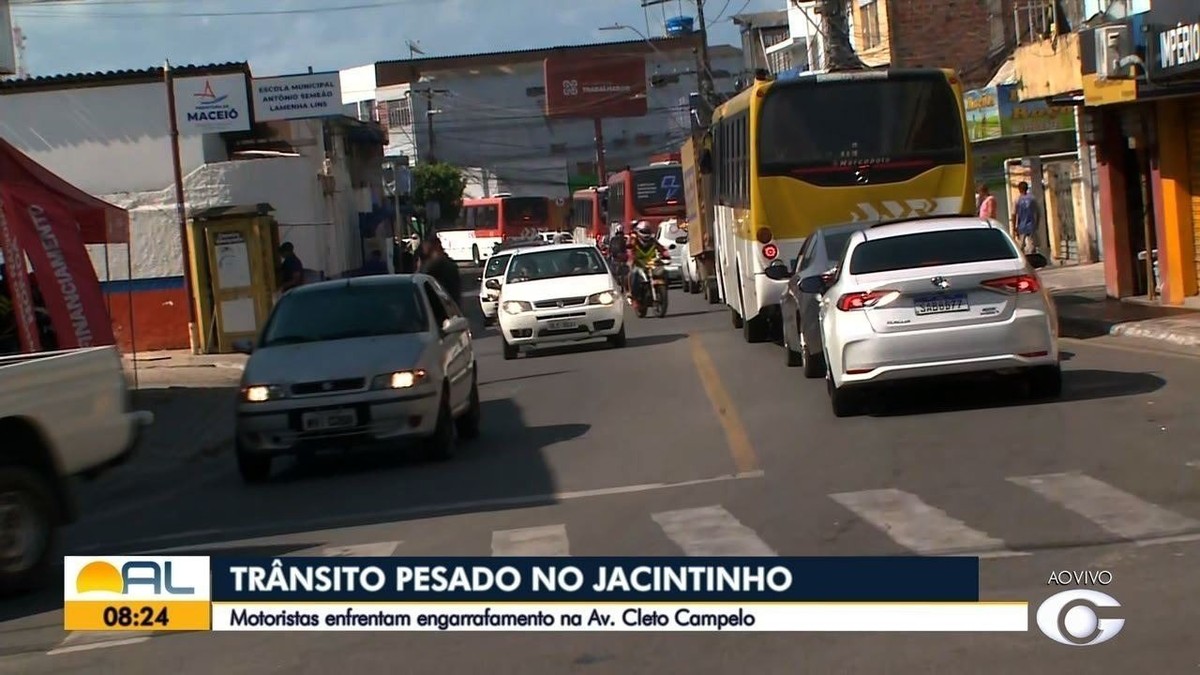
x,y
487,112
768,42
1134,70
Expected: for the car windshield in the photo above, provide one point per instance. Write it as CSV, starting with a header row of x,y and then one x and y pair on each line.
x,y
341,312
930,249
567,262
495,266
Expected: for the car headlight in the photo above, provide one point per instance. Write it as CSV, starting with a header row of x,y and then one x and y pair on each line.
x,y
602,298
517,306
401,379
259,393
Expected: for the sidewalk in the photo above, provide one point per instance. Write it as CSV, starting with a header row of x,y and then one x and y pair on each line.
x,y
182,358
1085,311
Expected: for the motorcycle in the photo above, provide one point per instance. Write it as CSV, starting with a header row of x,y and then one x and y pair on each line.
x,y
652,289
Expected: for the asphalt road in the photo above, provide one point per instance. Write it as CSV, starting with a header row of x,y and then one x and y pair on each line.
x,y
687,434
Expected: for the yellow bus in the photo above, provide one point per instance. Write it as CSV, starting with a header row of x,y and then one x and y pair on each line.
x,y
791,156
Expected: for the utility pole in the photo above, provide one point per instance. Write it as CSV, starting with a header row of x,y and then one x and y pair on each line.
x,y
180,210
704,66
839,51
429,113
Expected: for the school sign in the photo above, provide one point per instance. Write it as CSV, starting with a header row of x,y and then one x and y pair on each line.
x,y
998,112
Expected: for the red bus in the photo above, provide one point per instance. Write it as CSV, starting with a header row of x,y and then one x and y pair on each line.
x,y
484,222
652,193
589,218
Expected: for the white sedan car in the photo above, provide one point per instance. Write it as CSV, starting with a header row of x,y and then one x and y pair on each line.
x,y
934,296
491,281
366,362
559,293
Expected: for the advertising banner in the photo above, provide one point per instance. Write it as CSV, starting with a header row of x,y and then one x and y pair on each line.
x,y
596,88
19,292
996,112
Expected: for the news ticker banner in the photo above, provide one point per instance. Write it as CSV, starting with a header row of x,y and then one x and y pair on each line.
x,y
193,593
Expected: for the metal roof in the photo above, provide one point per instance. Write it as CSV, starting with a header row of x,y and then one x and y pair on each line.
x,y
682,41
117,77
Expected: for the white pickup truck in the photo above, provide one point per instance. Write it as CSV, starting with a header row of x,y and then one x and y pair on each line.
x,y
62,414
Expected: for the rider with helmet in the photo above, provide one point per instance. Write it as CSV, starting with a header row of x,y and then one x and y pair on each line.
x,y
644,251
618,252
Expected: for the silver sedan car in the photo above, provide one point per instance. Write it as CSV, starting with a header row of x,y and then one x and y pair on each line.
x,y
934,296
370,361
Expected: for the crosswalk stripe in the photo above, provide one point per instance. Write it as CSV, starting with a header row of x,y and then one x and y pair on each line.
x,y
548,540
1115,511
920,527
711,531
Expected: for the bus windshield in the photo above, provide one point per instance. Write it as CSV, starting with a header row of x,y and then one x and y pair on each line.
x,y
826,132
526,211
658,186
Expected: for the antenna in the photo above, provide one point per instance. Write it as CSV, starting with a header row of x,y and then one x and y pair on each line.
x,y
414,48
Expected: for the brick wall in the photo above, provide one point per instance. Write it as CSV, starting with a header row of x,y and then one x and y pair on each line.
x,y
958,34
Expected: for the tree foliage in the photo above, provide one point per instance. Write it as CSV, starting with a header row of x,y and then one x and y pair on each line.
x,y
441,183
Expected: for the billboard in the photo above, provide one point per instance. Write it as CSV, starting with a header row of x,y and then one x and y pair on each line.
x,y
295,97
995,112
212,104
595,87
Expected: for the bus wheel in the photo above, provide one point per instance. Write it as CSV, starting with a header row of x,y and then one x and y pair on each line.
x,y
735,318
756,329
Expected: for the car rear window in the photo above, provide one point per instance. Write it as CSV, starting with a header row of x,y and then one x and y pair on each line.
x,y
929,249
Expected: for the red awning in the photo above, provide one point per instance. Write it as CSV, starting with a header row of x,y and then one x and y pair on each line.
x,y
99,221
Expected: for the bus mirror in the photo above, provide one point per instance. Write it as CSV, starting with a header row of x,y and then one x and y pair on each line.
x,y
706,161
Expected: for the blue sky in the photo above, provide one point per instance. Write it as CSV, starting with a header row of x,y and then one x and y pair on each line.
x,y
286,36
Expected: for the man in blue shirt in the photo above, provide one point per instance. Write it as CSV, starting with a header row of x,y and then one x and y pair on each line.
x,y
1025,219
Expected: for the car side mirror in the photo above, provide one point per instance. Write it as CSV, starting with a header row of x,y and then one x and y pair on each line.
x,y
778,272
706,162
815,285
456,324
243,346
493,284
1037,260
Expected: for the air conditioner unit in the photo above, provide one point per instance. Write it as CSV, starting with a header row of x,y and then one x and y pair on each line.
x,y
1112,45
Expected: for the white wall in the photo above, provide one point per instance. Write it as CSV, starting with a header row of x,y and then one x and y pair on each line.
x,y
804,24
401,138
488,120
358,83
102,139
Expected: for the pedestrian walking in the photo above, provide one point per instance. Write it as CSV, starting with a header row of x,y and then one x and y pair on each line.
x,y
1025,219
440,266
985,203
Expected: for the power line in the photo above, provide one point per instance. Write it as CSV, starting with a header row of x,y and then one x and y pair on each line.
x,y
55,10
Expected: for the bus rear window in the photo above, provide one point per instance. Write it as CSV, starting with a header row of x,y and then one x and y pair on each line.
x,y
896,127
521,210
929,249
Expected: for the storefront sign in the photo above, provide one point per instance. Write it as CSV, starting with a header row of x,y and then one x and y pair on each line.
x,y
1176,49
297,97
212,104
996,112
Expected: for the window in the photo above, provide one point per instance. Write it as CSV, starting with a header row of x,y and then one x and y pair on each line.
x,y
872,36
526,211
835,245
399,113
996,20
568,262
440,313
495,265
448,304
927,249
822,133
345,312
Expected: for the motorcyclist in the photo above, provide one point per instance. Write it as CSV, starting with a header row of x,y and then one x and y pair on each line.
x,y
618,251
643,253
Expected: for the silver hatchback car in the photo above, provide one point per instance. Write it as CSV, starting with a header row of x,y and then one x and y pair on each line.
x,y
369,361
934,296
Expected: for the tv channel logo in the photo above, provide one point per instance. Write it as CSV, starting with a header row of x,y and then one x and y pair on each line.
x,y
136,578
1074,618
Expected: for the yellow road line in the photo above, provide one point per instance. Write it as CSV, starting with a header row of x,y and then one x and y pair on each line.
x,y
740,447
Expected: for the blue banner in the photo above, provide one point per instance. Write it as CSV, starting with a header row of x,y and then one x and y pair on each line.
x,y
722,579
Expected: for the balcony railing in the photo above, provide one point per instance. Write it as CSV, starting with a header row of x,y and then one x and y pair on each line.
x,y
1036,20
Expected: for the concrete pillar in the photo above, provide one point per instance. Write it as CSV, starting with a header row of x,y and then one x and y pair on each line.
x,y
1114,207
1085,222
1173,206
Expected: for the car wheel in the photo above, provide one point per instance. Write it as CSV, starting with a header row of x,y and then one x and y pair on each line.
x,y
440,446
756,329
28,529
510,351
468,423
253,468
618,340
814,364
845,401
1045,382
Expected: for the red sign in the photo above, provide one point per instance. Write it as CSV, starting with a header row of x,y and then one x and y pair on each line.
x,y
18,287
49,234
595,87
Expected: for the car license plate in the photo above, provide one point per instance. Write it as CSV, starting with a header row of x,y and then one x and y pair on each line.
x,y
562,324
328,419
941,304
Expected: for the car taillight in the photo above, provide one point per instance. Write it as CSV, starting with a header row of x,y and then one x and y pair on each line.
x,y
1022,283
853,301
